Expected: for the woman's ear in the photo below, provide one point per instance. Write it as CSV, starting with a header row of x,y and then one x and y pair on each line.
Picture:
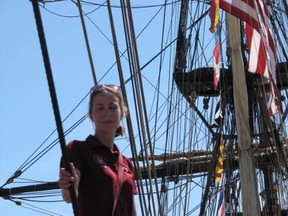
x,y
122,115
91,118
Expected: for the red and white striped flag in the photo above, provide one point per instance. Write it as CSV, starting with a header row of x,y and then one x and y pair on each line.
x,y
261,47
216,63
261,43
262,51
243,9
274,101
256,51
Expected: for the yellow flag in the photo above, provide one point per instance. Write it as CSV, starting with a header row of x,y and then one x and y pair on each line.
x,y
219,167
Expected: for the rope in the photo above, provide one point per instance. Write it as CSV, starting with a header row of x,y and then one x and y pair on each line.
x,y
142,118
129,122
135,69
53,97
133,147
87,42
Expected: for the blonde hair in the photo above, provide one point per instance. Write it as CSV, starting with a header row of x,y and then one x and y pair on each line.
x,y
116,91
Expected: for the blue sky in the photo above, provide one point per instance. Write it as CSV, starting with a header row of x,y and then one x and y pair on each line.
x,y
27,117
26,113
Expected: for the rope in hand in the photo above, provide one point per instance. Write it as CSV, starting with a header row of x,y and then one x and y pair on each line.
x,y
53,98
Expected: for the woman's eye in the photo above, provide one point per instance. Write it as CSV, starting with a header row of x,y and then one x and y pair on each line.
x,y
99,108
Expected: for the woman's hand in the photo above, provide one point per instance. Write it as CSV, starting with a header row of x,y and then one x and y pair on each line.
x,y
67,179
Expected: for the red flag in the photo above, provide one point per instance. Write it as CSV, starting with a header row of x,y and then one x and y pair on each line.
x,y
216,63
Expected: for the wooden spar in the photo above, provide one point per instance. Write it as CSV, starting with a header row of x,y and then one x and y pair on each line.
x,y
6,192
175,166
250,201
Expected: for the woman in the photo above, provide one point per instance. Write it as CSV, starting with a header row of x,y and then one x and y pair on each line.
x,y
102,177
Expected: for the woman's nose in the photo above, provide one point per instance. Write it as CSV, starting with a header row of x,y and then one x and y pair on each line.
x,y
106,112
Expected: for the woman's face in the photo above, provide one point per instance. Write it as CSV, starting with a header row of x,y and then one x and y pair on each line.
x,y
106,112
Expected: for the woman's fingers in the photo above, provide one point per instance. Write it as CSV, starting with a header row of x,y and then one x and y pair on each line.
x,y
66,178
73,170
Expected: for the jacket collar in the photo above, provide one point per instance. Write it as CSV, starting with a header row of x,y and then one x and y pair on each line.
x,y
95,144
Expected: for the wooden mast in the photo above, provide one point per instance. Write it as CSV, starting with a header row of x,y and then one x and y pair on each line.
x,y
248,181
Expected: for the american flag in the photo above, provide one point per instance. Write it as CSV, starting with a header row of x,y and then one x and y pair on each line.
x,y
262,50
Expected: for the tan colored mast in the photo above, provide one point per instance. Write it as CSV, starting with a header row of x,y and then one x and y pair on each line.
x,y
248,181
